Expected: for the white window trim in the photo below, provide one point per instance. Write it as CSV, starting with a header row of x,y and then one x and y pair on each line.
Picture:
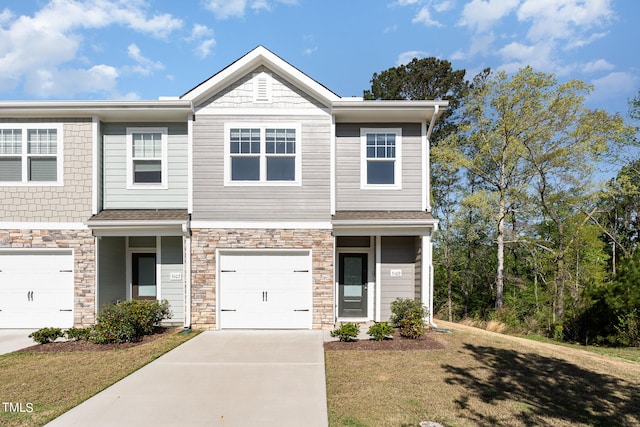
x,y
164,180
263,155
24,127
397,179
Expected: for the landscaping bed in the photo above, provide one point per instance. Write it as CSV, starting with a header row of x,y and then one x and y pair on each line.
x,y
428,341
85,345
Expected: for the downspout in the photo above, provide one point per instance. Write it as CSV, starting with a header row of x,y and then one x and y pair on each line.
x,y
186,232
427,249
186,228
434,117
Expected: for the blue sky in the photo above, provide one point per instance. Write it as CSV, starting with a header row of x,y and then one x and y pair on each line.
x,y
136,49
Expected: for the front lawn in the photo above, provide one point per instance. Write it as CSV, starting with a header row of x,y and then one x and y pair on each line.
x,y
481,379
36,387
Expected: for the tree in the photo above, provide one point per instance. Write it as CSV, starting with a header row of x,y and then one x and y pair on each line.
x,y
530,141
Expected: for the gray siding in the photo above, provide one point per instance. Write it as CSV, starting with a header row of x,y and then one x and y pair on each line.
x,y
213,201
111,271
398,253
70,202
117,196
171,262
349,195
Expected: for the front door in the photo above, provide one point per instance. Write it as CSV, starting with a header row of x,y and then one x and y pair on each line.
x,y
143,284
352,285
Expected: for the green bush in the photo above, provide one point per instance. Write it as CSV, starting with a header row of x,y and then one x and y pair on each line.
x,y
46,335
78,334
129,321
346,332
408,314
380,331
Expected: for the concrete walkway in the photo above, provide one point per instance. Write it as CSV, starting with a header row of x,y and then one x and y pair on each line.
x,y
219,378
15,339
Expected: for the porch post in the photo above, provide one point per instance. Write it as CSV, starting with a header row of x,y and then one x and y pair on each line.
x,y
378,281
427,276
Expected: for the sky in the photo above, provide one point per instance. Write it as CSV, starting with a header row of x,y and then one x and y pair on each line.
x,y
141,50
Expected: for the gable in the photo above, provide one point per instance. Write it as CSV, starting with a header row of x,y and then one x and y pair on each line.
x,y
259,57
258,89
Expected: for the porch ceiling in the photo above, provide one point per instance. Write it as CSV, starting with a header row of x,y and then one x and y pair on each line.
x,y
383,223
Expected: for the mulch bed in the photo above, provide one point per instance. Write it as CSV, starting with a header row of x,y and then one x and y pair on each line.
x,y
83,345
429,341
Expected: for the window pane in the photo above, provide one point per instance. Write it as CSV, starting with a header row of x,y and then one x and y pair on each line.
x,y
380,172
147,171
42,141
147,145
10,169
281,141
381,145
281,168
43,169
245,141
10,141
245,168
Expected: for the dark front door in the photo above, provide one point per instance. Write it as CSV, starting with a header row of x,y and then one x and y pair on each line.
x,y
143,269
352,285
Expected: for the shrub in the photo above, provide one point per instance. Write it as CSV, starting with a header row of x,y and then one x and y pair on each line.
x,y
78,334
380,330
408,314
346,332
46,335
129,321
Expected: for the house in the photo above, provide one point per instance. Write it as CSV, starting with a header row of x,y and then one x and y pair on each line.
x,y
257,199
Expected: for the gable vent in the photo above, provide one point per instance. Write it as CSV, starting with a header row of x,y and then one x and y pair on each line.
x,y
262,87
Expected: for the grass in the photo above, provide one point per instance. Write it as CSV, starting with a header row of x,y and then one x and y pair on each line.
x,y
53,383
627,353
482,379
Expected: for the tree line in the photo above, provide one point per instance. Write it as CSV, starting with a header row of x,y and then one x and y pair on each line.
x,y
530,233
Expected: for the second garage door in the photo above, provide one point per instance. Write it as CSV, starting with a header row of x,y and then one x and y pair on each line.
x,y
265,290
36,289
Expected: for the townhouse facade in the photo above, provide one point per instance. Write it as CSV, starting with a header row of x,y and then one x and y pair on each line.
x,y
257,199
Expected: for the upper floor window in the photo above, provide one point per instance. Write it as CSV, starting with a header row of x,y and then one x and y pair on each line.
x,y
31,154
147,158
262,154
381,160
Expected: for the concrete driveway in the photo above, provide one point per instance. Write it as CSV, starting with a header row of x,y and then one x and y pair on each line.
x,y
219,378
15,339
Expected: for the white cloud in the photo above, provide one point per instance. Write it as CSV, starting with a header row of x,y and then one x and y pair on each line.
x,y
406,57
205,47
144,65
614,85
443,6
225,9
481,15
518,55
597,65
36,50
424,17
563,19
203,35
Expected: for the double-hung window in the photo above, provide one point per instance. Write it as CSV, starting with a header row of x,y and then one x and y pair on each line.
x,y
262,154
147,158
31,154
381,160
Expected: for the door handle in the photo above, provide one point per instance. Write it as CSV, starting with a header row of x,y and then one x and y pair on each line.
x,y
227,309
30,296
304,309
265,296
65,310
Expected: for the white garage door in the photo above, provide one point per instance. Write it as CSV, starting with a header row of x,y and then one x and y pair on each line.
x,y
265,290
36,289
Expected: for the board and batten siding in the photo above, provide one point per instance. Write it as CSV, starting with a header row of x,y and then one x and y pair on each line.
x,y
349,194
117,196
213,201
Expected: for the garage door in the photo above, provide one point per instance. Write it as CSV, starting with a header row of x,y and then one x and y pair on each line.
x,y
265,290
36,289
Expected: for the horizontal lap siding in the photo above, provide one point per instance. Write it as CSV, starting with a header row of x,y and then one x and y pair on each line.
x,y
116,194
213,201
349,195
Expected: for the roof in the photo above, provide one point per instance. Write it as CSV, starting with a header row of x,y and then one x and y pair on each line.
x,y
383,223
131,222
171,215
249,62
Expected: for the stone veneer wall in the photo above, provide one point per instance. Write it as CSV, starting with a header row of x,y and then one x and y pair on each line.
x,y
203,267
82,243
